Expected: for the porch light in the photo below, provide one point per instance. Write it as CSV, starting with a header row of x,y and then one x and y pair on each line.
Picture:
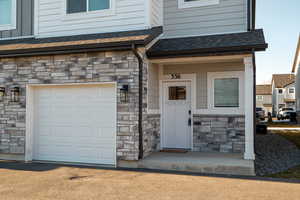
x,y
2,93
15,94
124,93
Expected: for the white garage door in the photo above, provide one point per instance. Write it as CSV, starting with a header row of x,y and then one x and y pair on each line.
x,y
75,124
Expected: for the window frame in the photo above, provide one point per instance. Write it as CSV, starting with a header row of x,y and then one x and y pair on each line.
x,y
199,3
13,24
291,89
87,13
211,76
259,97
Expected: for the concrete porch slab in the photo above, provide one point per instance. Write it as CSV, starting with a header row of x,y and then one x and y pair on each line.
x,y
212,163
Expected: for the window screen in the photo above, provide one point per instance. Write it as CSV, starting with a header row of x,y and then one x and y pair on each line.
x,y
5,12
177,93
226,92
75,6
98,5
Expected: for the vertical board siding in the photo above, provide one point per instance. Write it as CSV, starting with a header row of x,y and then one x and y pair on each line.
x,y
24,21
53,21
228,16
156,12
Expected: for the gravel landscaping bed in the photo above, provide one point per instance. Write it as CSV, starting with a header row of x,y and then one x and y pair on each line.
x,y
275,154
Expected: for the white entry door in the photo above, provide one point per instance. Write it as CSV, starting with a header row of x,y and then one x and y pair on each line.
x,y
177,115
75,124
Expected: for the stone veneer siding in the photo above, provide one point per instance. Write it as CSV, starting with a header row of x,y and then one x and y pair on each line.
x,y
151,129
217,133
120,67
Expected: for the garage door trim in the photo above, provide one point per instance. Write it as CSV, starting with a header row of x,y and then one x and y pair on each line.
x,y
30,88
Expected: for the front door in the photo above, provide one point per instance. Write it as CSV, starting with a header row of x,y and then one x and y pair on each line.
x,y
177,115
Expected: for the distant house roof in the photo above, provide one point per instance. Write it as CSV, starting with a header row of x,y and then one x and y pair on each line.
x,y
263,90
282,80
245,42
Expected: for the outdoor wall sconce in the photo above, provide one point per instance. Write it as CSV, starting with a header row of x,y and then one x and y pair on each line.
x,y
2,93
124,93
15,94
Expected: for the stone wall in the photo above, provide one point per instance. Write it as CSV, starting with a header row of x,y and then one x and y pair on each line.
x,y
219,133
120,67
151,129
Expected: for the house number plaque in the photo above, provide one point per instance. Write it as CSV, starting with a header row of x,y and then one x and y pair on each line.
x,y
175,76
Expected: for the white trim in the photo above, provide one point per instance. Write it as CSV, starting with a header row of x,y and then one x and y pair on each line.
x,y
13,25
249,112
36,17
184,77
199,3
211,76
30,114
16,38
204,59
87,13
148,7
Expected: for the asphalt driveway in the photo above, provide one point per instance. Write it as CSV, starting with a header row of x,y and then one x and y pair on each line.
x,y
55,182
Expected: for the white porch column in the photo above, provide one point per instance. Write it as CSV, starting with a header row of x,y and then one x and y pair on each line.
x,y
249,114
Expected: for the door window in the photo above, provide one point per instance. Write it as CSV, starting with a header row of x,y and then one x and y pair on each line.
x,y
177,93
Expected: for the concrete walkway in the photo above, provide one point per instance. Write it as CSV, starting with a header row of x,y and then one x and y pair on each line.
x,y
48,182
215,163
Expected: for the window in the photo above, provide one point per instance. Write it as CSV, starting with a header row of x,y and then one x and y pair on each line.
x,y
280,91
177,93
226,92
7,14
291,90
77,6
259,97
196,3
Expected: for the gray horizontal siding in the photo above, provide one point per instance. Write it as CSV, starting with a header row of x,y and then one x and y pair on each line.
x,y
201,70
227,16
25,10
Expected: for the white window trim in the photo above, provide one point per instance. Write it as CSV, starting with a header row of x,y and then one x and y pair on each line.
x,y
211,76
199,3
88,14
259,97
13,25
292,89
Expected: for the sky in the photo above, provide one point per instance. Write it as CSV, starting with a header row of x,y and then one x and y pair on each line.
x,y
280,20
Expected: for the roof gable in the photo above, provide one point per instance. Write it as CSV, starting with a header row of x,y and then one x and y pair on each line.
x,y
281,80
263,90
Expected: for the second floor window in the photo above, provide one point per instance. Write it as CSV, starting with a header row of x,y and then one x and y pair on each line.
x,y
7,14
280,91
291,90
77,6
259,98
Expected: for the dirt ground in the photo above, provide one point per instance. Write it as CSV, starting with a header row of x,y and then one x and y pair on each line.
x,y
55,182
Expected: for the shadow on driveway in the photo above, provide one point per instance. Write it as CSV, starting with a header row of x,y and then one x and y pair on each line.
x,y
42,167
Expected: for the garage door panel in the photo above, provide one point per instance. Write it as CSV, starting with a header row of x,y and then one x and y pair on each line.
x,y
75,124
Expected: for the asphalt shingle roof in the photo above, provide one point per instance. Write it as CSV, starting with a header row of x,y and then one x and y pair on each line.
x,y
263,89
282,80
238,42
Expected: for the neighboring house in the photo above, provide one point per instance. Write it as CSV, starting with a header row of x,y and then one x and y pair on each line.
x,y
264,98
112,82
295,70
283,91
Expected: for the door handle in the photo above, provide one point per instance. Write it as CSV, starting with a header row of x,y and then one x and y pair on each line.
x,y
190,122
